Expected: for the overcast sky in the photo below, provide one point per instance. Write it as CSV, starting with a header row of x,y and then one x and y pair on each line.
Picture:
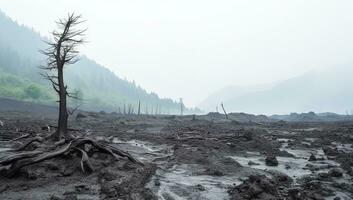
x,y
191,48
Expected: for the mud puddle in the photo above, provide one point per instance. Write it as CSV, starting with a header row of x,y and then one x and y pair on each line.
x,y
182,182
300,165
145,151
179,181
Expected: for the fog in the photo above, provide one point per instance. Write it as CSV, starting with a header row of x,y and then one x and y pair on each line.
x,y
191,49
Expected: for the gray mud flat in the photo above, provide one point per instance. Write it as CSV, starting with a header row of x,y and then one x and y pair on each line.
x,y
205,158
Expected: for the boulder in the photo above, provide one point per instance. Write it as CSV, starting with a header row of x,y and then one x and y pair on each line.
x,y
335,172
271,161
312,157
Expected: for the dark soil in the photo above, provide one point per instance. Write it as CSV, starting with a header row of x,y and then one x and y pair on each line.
x,y
207,157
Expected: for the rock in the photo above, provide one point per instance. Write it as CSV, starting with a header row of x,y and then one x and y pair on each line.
x,y
335,172
248,135
55,197
252,163
45,128
33,175
157,182
337,198
287,166
198,187
324,175
52,166
330,151
271,161
294,193
3,188
80,188
214,172
281,177
312,157
67,171
107,175
284,153
71,197
256,187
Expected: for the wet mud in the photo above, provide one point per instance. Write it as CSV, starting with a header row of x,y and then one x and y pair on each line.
x,y
187,157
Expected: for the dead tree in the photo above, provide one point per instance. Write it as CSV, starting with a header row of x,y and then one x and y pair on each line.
x,y
156,112
130,109
124,109
181,106
139,108
146,111
225,113
62,51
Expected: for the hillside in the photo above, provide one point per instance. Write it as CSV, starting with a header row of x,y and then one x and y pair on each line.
x,y
101,89
229,93
326,90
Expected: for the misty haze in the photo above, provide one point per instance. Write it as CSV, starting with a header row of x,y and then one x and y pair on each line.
x,y
176,100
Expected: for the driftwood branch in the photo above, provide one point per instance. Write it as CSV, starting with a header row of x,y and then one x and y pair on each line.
x,y
224,111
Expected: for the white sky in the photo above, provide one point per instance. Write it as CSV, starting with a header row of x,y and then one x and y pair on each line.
x,y
190,48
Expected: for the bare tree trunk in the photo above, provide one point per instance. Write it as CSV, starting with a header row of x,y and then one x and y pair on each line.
x,y
181,106
63,114
124,109
139,108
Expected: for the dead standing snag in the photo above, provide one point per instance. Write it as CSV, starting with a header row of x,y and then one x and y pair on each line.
x,y
225,113
62,51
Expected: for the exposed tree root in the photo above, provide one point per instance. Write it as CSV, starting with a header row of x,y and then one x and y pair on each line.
x,y
125,155
21,137
51,150
13,158
22,147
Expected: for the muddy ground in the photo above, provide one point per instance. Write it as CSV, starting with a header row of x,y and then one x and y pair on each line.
x,y
190,157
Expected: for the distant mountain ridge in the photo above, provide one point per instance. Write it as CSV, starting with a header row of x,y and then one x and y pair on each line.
x,y
101,88
327,90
